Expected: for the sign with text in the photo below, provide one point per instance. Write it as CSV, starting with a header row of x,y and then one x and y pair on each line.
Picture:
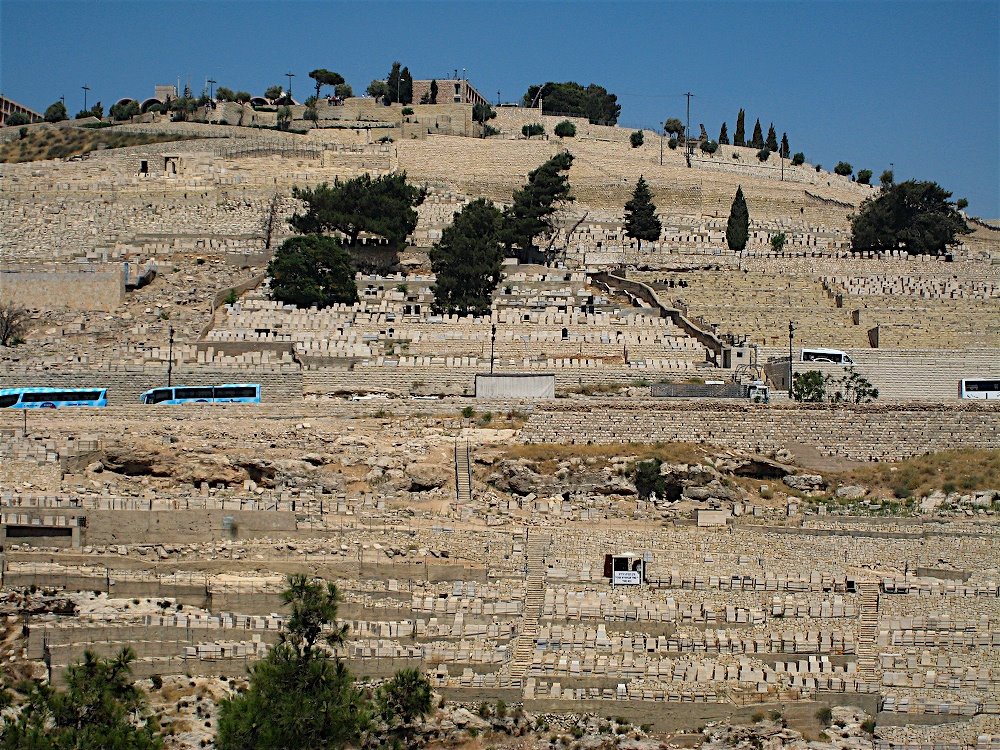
x,y
626,578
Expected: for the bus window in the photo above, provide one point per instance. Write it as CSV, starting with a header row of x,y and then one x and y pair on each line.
x,y
204,393
236,391
8,400
160,395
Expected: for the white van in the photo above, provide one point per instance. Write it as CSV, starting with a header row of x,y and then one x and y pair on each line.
x,y
832,356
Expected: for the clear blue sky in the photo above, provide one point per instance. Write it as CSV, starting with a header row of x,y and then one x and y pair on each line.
x,y
916,84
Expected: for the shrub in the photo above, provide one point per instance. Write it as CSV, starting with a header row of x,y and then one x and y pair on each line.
x,y
232,298
843,168
17,118
868,725
778,242
501,709
819,167
798,158
468,412
22,132
157,681
565,129
489,130
865,176
672,143
407,110
709,147
636,139
533,129
484,710
763,155
757,717
824,716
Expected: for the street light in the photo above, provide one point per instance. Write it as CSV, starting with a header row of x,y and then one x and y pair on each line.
x,y
211,88
85,90
290,77
493,341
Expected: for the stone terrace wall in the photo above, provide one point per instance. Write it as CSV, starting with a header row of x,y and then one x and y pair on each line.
x,y
83,287
860,433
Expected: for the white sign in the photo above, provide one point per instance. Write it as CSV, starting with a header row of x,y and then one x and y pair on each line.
x,y
626,578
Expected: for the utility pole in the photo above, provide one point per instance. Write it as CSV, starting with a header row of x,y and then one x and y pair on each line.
x,y
290,77
687,131
170,358
791,335
85,90
211,88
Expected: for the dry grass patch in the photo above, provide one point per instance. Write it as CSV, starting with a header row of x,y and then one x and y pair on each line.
x,y
948,471
66,142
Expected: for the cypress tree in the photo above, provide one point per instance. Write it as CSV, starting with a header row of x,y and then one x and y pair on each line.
x,y
434,92
405,87
784,145
758,136
740,138
640,215
738,226
724,135
392,84
772,139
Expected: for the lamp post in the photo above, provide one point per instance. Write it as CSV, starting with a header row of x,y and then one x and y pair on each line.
x,y
170,358
791,335
85,90
211,88
493,341
290,77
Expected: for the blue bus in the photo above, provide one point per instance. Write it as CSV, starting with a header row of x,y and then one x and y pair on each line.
x,y
52,398
230,393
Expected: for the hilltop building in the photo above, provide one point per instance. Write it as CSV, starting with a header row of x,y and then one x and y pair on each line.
x,y
9,107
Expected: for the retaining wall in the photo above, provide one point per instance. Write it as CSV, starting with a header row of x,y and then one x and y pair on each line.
x,y
863,433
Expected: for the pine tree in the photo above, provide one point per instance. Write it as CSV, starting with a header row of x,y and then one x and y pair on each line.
x,y
530,214
724,135
738,226
758,136
641,222
467,260
784,146
772,139
740,138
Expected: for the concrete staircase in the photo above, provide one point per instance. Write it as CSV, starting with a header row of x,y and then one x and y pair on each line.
x,y
534,601
868,633
463,474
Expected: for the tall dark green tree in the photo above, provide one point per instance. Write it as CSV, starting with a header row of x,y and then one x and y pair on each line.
x,y
384,206
772,139
914,216
641,222
758,136
570,98
724,136
739,138
55,112
312,271
324,77
300,695
405,87
393,85
434,92
99,709
467,260
532,211
674,127
785,150
738,226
